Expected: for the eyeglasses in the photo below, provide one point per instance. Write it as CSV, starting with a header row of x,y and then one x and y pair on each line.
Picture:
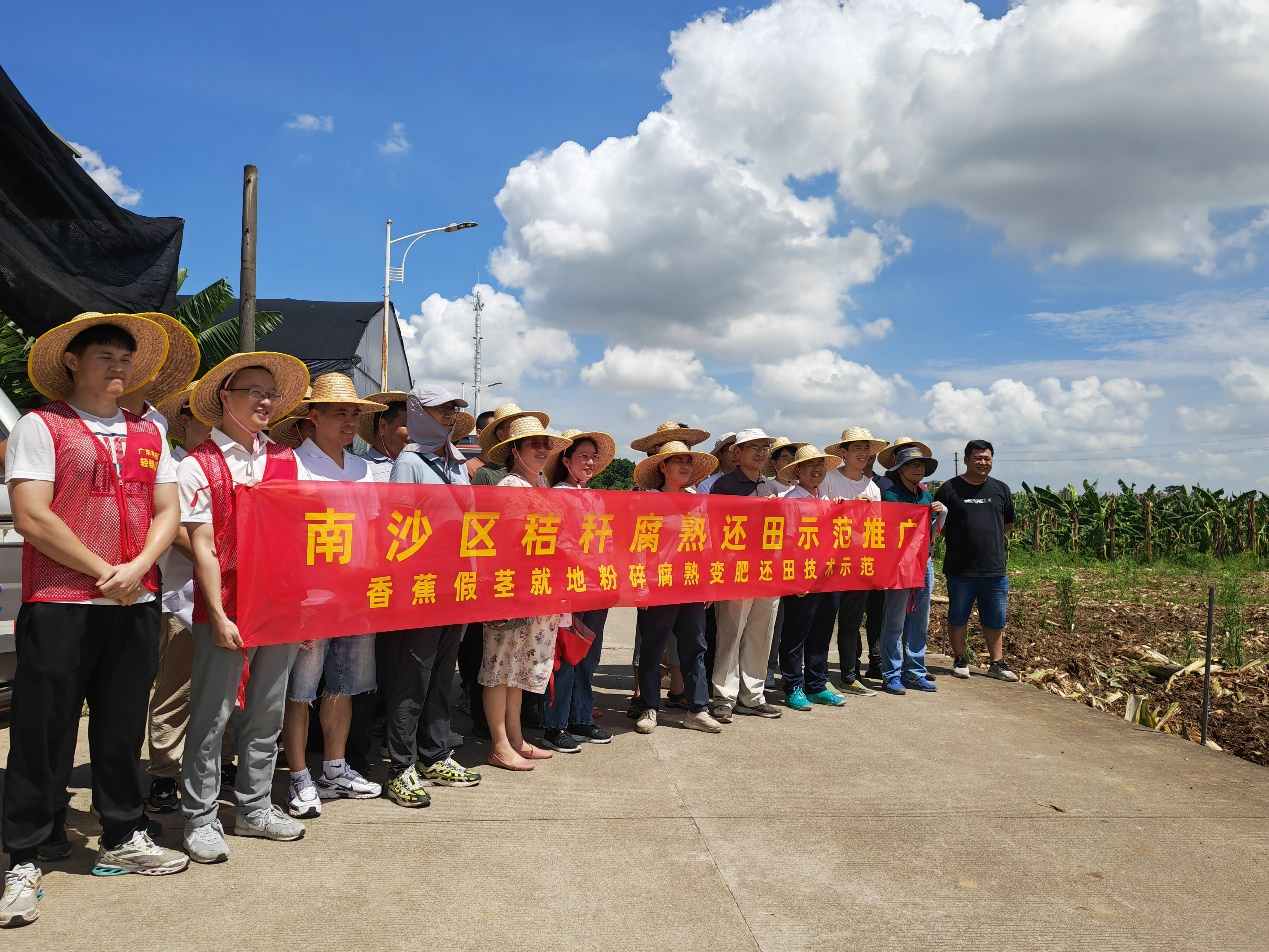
x,y
760,450
445,408
256,393
584,458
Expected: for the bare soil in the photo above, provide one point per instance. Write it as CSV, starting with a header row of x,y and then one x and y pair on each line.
x,y
1131,637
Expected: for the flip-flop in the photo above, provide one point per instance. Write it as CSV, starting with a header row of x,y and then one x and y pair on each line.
x,y
536,753
496,761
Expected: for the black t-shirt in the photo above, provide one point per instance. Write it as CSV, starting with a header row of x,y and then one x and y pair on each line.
x,y
975,527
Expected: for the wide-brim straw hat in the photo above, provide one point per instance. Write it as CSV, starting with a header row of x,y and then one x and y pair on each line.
x,y
805,454
505,413
523,427
287,432
768,468
857,434
171,410
366,425
290,378
464,425
666,432
886,456
49,374
605,448
647,475
183,358
339,388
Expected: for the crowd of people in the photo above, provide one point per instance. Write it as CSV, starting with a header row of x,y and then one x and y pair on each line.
x,y
122,487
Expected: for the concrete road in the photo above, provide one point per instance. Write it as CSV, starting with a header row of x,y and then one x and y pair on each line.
x,y
986,816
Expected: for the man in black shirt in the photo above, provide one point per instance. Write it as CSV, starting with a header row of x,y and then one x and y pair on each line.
x,y
979,513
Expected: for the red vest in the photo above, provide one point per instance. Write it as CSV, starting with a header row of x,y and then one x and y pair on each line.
x,y
279,464
109,511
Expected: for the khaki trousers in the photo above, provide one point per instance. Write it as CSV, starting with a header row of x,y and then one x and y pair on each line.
x,y
745,629
169,703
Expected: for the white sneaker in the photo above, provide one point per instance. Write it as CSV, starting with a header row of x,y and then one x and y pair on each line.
x,y
702,721
960,667
20,903
647,721
305,803
348,784
206,844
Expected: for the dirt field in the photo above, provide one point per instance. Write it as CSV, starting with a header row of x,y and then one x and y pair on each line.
x,y
1136,632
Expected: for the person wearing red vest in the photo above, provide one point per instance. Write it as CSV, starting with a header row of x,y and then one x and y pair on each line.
x,y
237,398
93,496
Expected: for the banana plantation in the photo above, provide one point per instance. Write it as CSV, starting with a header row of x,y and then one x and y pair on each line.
x,y
1148,524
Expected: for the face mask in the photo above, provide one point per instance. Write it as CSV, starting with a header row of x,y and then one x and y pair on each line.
x,y
426,435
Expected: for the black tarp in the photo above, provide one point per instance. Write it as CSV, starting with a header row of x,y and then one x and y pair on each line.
x,y
65,246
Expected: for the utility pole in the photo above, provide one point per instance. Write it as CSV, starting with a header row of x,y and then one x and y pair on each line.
x,y
247,282
956,464
477,306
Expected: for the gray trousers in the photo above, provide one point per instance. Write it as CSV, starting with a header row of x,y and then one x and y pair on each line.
x,y
212,695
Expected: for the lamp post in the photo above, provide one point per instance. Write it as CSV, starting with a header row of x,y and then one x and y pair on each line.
x,y
391,274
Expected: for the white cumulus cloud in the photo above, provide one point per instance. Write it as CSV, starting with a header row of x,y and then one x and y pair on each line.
x,y
108,177
439,344
307,122
396,143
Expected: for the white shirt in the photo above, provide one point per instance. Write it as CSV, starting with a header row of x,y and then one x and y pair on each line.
x,y
157,418
773,487
245,466
798,492
837,484
316,466
31,455
178,574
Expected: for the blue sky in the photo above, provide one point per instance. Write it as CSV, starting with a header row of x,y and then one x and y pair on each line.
x,y
1043,229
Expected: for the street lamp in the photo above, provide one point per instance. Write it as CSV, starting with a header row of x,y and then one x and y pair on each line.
x,y
391,274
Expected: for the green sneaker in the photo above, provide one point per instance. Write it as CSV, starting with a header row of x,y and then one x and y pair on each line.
x,y
449,773
406,790
857,688
830,686
798,700
830,698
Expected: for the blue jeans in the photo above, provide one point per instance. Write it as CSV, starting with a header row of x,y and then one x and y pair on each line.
x,y
992,595
347,661
904,633
574,699
805,640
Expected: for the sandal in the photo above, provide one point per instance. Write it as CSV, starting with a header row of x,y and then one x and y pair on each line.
x,y
496,761
677,700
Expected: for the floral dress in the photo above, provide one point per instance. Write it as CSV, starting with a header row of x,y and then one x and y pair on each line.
x,y
519,653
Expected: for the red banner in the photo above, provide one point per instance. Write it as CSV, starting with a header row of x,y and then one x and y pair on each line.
x,y
323,559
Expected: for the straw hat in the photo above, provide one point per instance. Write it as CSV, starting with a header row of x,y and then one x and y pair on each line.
x,y
366,425
665,433
780,443
339,388
171,410
290,377
464,425
182,361
49,374
856,434
505,413
287,432
647,474
523,427
605,447
886,456
806,452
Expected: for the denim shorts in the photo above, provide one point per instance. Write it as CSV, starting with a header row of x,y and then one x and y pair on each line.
x,y
992,594
348,663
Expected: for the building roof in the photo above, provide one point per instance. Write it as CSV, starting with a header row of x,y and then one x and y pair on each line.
x,y
328,335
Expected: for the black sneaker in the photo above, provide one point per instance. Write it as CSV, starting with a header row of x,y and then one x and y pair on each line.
x,y
163,797
228,775
635,709
56,847
590,733
873,673
559,739
960,667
